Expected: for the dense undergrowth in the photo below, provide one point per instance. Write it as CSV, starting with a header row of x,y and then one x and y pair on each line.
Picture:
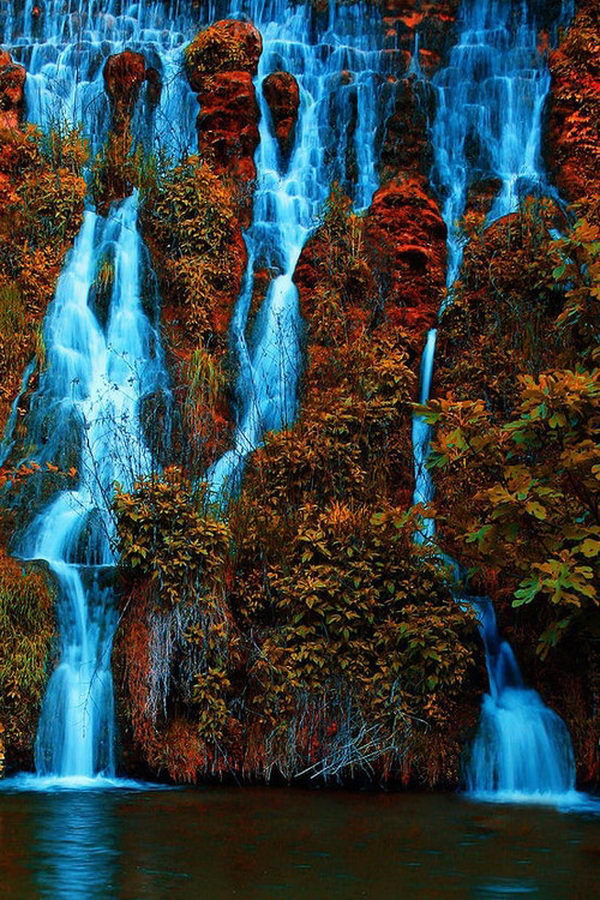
x,y
26,641
325,642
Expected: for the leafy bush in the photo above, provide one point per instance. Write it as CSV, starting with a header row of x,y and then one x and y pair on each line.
x,y
516,448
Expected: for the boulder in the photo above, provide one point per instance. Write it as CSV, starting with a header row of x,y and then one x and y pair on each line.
x,y
406,146
228,123
283,98
220,63
12,90
408,239
124,74
226,46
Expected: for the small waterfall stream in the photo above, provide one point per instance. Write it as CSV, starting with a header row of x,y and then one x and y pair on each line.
x,y
93,384
522,748
488,124
334,119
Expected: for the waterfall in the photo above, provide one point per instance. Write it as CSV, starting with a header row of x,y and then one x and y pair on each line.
x,y
92,387
103,358
334,120
488,124
421,437
102,363
522,749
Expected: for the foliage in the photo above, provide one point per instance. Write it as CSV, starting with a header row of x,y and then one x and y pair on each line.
x,y
174,560
26,634
190,222
164,538
116,170
520,462
575,111
217,49
354,600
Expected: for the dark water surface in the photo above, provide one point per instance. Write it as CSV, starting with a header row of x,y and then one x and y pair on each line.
x,y
257,842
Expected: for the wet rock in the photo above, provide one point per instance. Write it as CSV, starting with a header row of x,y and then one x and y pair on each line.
x,y
228,123
124,74
406,147
226,46
283,97
418,23
408,239
115,174
220,63
12,88
481,195
154,85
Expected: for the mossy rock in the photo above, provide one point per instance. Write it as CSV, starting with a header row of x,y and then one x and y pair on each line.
x,y
226,46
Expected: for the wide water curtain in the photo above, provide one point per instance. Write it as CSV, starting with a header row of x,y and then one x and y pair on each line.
x,y
103,358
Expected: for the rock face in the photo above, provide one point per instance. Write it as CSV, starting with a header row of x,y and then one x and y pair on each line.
x,y
228,123
12,86
405,226
429,22
220,63
406,147
283,97
124,74
404,219
574,121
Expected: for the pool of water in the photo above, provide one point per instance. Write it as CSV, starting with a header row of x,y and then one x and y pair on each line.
x,y
258,842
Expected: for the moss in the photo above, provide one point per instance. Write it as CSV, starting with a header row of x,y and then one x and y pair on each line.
x,y
27,630
227,46
191,225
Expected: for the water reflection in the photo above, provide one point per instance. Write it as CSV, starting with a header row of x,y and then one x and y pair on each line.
x,y
257,843
77,845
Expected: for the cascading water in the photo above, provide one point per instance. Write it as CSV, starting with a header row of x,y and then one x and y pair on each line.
x,y
289,198
522,749
421,438
100,365
100,362
488,124
92,386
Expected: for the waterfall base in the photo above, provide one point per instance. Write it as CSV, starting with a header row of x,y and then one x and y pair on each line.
x,y
522,752
29,782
